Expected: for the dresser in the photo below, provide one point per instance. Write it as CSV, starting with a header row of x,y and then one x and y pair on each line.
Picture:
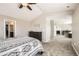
x,y
37,35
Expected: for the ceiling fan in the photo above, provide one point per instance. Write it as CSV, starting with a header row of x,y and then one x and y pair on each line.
x,y
27,5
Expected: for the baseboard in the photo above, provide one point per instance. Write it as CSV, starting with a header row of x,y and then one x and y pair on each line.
x,y
75,49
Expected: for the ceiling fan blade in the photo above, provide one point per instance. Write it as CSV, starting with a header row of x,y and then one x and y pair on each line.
x,y
29,7
31,3
20,5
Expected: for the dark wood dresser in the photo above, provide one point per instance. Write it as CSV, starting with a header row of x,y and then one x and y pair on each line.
x,y
37,35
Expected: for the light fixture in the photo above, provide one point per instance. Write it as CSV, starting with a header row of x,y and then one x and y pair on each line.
x,y
11,22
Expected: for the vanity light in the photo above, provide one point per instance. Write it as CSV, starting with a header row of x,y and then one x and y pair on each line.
x,y
12,23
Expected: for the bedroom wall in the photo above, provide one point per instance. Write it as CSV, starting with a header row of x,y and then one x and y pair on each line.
x,y
75,21
1,28
52,28
48,31
22,27
66,27
38,24
41,23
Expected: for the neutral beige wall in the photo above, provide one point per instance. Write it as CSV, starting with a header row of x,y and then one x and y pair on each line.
x,y
64,26
75,24
48,30
38,24
52,29
1,27
22,27
42,24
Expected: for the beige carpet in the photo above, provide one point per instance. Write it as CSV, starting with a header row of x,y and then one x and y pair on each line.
x,y
59,46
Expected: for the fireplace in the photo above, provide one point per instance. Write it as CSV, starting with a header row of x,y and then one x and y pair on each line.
x,y
37,35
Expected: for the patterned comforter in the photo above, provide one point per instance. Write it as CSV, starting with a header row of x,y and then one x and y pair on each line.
x,y
26,46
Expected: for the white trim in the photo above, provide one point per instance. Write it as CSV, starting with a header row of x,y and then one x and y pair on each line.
x,y
4,28
6,19
75,49
15,29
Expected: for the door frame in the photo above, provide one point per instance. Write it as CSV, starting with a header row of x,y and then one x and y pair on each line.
x,y
5,20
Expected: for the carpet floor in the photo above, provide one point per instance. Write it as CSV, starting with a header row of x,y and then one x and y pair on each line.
x,y
59,46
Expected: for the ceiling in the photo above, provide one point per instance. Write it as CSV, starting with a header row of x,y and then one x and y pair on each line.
x,y
11,9
56,7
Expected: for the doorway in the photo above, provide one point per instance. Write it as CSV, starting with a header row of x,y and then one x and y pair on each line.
x,y
10,29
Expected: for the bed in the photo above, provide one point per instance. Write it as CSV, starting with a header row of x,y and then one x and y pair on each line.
x,y
26,46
